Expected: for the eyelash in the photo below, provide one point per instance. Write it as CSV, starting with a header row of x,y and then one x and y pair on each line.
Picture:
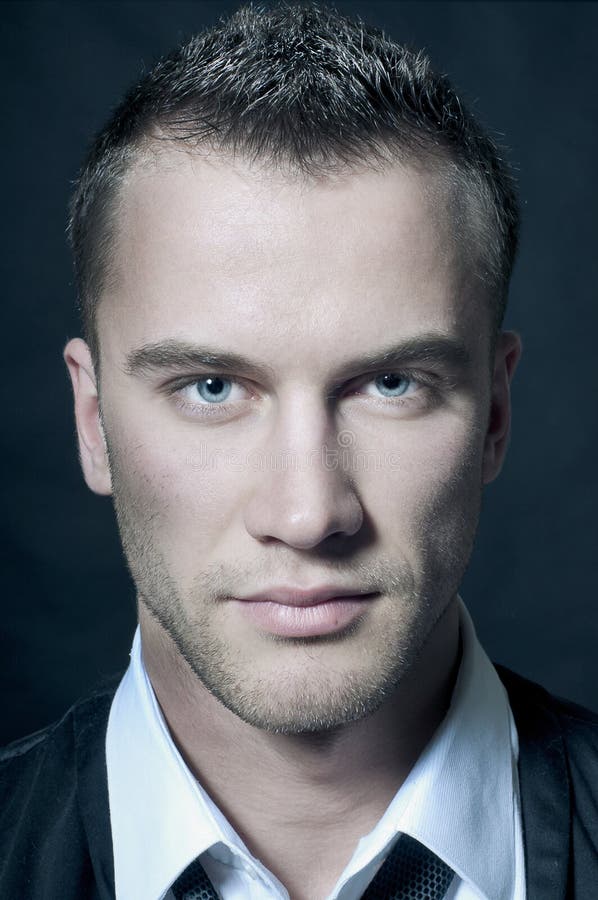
x,y
205,409
424,380
421,379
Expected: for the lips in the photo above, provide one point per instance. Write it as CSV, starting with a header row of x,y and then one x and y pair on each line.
x,y
290,612
294,596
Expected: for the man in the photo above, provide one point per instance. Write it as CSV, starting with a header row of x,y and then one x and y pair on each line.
x,y
293,247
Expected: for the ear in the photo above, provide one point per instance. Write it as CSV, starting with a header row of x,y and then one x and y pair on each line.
x,y
93,451
506,358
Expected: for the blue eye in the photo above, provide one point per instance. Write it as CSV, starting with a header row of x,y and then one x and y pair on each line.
x,y
213,389
392,384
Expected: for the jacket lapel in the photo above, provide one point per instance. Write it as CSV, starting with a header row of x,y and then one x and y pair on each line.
x,y
544,788
90,727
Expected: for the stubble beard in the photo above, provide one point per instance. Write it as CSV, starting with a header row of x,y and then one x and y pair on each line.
x,y
304,697
297,699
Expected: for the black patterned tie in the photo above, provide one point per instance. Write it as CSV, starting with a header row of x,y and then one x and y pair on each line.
x,y
410,872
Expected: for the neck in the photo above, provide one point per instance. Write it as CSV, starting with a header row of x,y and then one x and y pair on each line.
x,y
310,783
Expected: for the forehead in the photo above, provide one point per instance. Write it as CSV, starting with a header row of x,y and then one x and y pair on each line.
x,y
215,250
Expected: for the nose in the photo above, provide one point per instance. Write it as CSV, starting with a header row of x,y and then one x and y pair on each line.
x,y
304,491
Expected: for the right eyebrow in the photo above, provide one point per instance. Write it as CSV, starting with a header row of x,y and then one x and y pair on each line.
x,y
173,355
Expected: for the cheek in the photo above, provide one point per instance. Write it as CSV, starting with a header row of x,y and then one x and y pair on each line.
x,y
180,495
427,488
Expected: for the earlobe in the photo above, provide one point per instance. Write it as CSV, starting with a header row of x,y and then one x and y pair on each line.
x,y
507,356
93,450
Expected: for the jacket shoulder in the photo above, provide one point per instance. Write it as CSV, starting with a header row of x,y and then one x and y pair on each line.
x,y
577,723
46,781
53,745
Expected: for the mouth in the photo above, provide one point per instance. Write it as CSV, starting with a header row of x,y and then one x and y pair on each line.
x,y
297,612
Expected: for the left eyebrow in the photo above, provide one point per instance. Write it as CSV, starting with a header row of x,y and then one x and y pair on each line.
x,y
430,349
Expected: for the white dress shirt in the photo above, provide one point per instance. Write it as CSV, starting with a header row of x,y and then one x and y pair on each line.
x,y
461,800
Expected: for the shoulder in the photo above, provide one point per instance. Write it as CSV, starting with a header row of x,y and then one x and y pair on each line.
x,y
556,736
56,744
534,706
49,781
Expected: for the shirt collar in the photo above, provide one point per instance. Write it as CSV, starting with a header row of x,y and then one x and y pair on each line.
x,y
155,802
458,799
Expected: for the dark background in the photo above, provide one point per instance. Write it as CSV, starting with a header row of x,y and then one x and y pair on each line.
x,y
529,70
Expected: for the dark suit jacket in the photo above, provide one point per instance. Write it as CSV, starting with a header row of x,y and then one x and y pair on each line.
x,y
55,840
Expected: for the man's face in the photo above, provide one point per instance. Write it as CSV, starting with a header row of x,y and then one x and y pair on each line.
x,y
305,466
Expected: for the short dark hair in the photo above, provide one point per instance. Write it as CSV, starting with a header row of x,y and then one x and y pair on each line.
x,y
308,89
